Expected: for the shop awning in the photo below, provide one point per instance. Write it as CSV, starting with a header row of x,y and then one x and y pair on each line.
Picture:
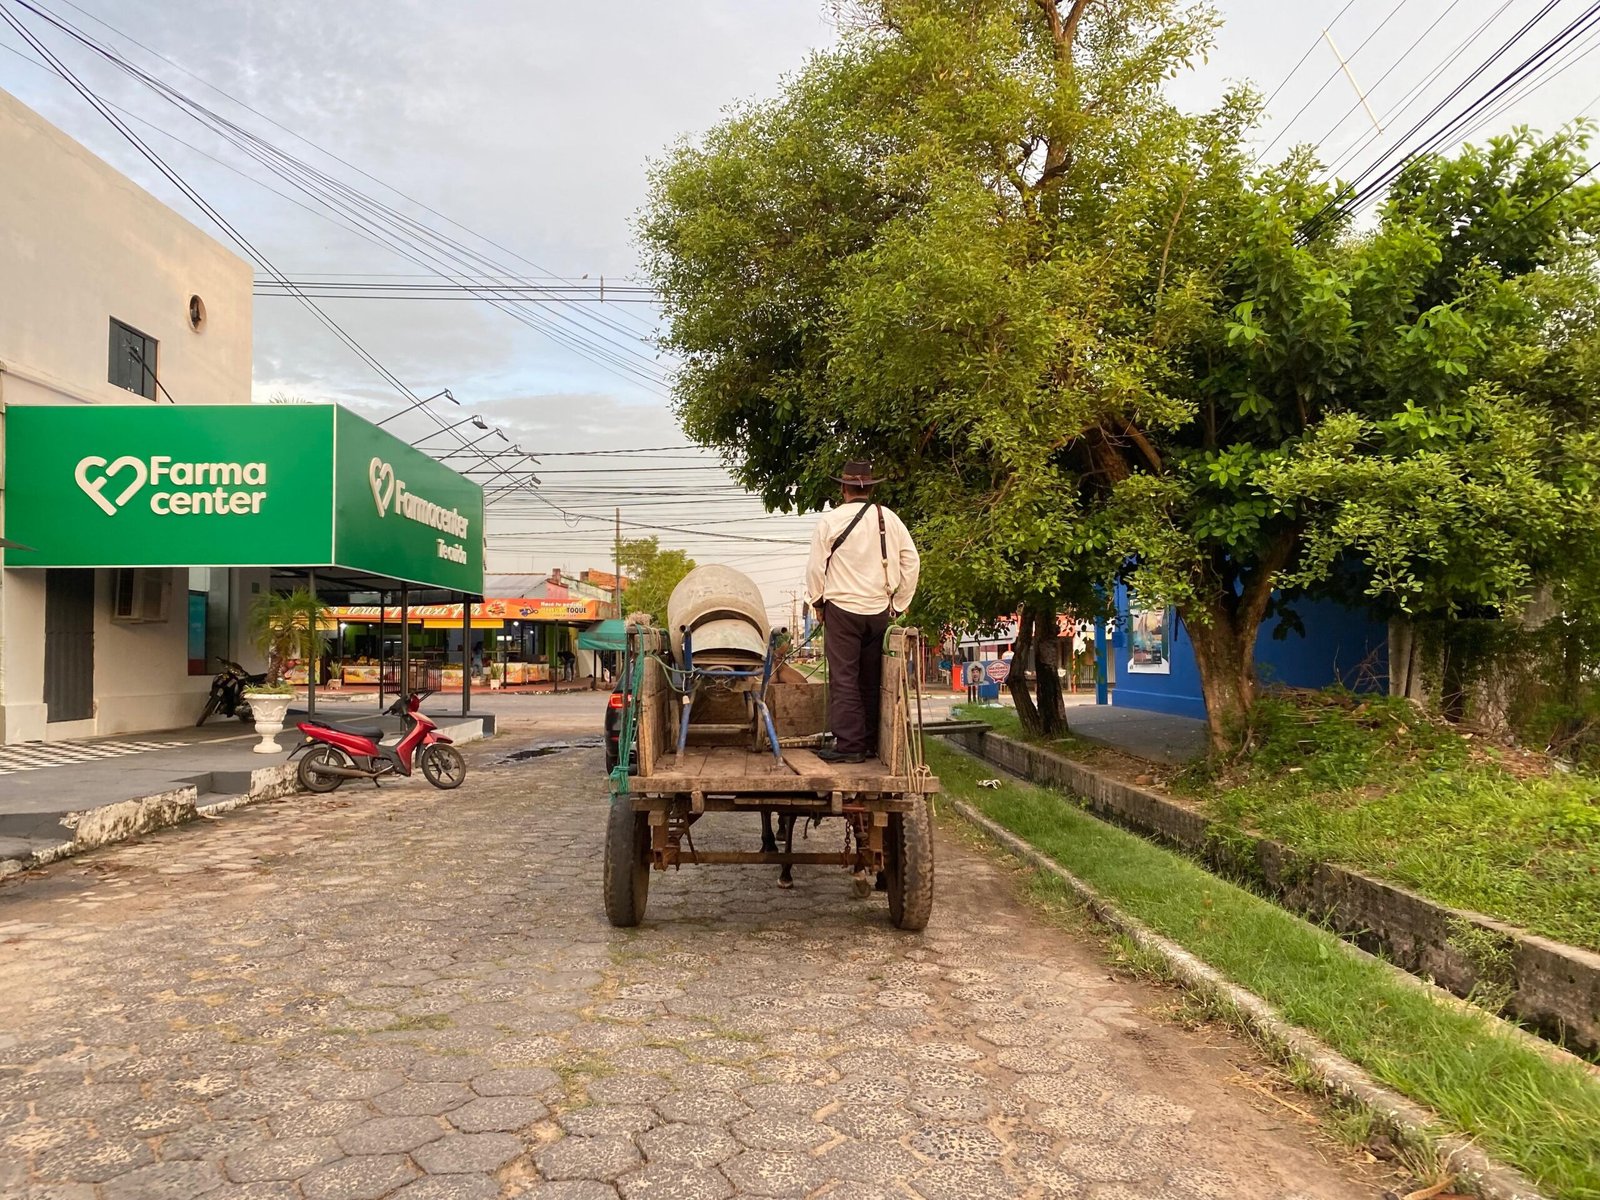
x,y
608,635
488,614
235,485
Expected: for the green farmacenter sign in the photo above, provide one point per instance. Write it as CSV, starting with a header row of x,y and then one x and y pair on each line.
x,y
234,485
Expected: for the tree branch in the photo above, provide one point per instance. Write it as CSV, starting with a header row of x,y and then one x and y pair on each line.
x,y
1064,33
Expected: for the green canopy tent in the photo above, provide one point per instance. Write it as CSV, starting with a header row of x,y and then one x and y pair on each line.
x,y
607,635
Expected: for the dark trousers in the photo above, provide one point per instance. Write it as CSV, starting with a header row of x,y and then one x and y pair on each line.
x,y
853,645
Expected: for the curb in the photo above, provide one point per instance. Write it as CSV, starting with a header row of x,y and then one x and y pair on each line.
x,y
1405,1120
109,824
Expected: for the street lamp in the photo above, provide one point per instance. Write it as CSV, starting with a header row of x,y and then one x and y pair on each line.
x,y
474,420
416,404
466,447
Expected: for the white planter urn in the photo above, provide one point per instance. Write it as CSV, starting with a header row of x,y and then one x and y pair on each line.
x,y
268,709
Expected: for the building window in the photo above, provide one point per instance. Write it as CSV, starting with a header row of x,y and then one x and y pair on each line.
x,y
133,360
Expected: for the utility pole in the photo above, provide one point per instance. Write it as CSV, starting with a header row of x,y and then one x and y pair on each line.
x,y
616,581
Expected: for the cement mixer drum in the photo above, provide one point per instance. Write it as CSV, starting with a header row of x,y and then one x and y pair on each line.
x,y
725,615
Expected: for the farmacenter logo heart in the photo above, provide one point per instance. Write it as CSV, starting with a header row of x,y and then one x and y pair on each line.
x,y
93,473
381,475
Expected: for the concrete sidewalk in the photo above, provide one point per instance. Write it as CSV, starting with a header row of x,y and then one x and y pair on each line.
x,y
1155,736
1158,737
59,798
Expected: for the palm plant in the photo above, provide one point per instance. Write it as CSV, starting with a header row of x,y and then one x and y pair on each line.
x,y
285,627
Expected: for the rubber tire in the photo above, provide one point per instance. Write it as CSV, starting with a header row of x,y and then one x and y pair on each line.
x,y
211,707
430,766
908,859
627,866
311,780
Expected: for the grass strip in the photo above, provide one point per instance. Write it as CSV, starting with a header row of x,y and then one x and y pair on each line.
x,y
1538,1115
1369,783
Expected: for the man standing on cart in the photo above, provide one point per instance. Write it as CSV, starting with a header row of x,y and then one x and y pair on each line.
x,y
861,575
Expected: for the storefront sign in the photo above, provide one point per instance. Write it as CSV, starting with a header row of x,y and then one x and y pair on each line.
x,y
488,614
234,485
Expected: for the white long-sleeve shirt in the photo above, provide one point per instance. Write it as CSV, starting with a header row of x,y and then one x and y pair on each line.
x,y
855,577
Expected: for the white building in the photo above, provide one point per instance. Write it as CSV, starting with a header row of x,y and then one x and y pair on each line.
x,y
107,296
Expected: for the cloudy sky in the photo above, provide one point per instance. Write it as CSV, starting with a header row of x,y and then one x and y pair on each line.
x,y
521,130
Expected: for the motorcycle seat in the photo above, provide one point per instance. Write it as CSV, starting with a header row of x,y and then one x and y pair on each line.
x,y
366,731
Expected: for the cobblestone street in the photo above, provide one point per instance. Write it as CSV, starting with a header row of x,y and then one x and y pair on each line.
x,y
415,993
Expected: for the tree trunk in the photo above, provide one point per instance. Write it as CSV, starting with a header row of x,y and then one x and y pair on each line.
x,y
1016,682
1225,655
1046,670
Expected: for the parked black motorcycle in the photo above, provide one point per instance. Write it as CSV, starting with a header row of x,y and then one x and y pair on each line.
x,y
227,692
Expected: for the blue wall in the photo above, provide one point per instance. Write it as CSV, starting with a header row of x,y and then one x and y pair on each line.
x,y
1340,645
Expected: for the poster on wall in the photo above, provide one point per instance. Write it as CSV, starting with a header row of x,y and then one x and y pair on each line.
x,y
1150,641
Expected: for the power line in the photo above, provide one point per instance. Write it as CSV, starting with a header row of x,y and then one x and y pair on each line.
x,y
402,234
306,141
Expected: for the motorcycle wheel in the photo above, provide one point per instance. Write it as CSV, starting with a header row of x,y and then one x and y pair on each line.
x,y
211,707
315,780
443,766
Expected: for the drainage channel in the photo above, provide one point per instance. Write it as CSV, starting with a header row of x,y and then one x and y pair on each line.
x,y
543,749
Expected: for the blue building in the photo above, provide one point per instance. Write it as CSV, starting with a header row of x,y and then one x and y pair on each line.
x,y
1154,665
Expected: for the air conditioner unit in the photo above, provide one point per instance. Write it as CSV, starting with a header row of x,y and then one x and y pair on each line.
x,y
141,594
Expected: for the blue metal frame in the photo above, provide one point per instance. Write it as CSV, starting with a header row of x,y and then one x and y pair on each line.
x,y
688,678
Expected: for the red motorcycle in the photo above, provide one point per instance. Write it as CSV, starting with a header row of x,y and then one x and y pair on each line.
x,y
335,753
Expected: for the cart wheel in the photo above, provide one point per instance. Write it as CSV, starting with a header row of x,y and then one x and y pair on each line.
x,y
311,775
627,870
908,859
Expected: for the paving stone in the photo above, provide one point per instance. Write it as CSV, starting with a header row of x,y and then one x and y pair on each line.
x,y
92,1161
567,1189
662,1182
284,1158
701,1108
516,1081
389,1135
957,1143
780,1131
214,1139
688,1145
497,1114
596,1120
451,1187
869,1162
596,1158
362,1177
627,1089
775,1173
326,1118
164,1181
422,1099
463,1153
955,1181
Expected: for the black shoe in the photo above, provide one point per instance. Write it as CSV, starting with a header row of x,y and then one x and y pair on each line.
x,y
834,756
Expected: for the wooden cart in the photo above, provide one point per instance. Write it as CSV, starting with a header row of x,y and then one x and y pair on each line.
x,y
728,765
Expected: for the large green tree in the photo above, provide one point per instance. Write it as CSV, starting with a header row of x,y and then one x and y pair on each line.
x,y
1400,416
980,244
925,250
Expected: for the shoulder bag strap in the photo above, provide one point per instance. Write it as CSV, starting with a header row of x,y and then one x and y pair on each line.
x,y
839,541
883,551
